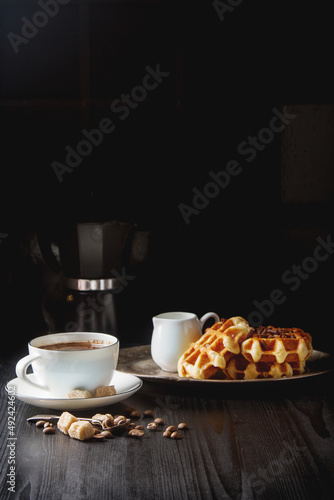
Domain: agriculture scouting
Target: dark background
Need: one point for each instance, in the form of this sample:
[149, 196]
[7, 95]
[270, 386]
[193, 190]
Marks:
[226, 80]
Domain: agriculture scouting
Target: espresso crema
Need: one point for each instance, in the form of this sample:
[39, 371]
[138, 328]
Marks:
[73, 346]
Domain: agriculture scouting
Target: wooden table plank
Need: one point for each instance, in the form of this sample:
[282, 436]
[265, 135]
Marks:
[244, 446]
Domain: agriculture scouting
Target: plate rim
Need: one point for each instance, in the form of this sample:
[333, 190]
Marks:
[185, 380]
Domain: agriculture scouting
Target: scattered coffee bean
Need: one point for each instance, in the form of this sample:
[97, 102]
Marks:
[120, 419]
[132, 429]
[107, 422]
[183, 426]
[107, 434]
[152, 426]
[99, 436]
[176, 435]
[171, 428]
[48, 430]
[148, 414]
[40, 423]
[129, 409]
[136, 433]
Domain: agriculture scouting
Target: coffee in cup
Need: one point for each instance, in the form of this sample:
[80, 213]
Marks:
[72, 346]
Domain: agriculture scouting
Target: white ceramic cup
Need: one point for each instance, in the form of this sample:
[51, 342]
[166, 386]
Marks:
[173, 332]
[59, 371]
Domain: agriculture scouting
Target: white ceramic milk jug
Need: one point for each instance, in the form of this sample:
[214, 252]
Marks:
[173, 332]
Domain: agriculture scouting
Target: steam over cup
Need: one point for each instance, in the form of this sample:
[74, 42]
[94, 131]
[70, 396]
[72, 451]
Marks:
[173, 332]
[57, 372]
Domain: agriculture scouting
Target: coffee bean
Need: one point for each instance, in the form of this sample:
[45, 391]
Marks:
[48, 424]
[120, 419]
[159, 421]
[148, 414]
[135, 414]
[136, 433]
[108, 422]
[183, 426]
[129, 409]
[152, 426]
[176, 435]
[140, 427]
[167, 434]
[48, 430]
[171, 428]
[40, 423]
[98, 436]
[107, 434]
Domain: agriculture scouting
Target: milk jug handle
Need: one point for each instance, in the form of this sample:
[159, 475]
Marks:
[208, 315]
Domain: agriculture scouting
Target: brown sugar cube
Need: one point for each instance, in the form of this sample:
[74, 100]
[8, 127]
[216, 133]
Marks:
[79, 394]
[108, 390]
[65, 421]
[81, 430]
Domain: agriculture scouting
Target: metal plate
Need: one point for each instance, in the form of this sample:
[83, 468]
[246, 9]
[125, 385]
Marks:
[138, 361]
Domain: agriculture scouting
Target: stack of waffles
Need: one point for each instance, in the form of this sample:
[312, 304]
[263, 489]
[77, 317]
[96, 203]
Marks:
[232, 349]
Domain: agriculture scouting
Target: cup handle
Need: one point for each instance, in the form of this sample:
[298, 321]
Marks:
[208, 315]
[21, 370]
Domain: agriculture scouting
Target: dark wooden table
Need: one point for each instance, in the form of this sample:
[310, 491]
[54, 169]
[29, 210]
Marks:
[246, 442]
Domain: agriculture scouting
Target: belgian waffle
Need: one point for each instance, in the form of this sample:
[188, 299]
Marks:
[270, 345]
[298, 367]
[204, 358]
[239, 368]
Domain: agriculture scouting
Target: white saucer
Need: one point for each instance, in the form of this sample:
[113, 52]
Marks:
[125, 385]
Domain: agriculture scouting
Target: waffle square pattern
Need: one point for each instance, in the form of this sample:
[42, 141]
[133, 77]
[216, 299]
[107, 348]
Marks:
[232, 349]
